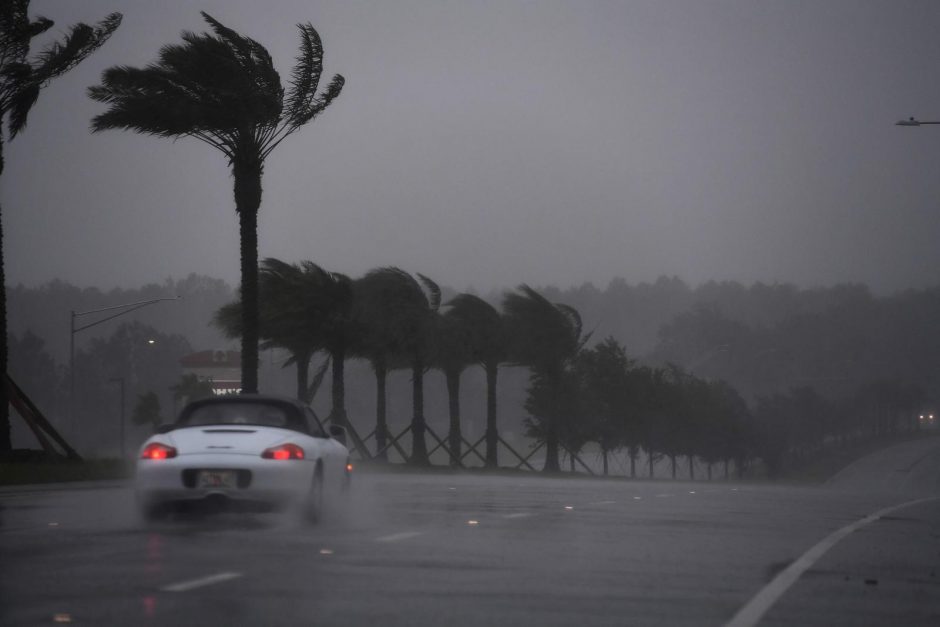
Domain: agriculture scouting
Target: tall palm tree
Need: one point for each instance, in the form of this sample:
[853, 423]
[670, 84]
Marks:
[379, 305]
[21, 79]
[419, 342]
[546, 337]
[302, 309]
[224, 91]
[453, 352]
[395, 314]
[488, 344]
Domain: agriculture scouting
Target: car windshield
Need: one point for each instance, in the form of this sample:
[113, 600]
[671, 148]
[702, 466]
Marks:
[263, 414]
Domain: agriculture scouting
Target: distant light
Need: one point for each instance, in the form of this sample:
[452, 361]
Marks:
[53, 524]
[691, 491]
[473, 523]
[62, 618]
[151, 342]
[326, 551]
[637, 498]
[568, 507]
[349, 467]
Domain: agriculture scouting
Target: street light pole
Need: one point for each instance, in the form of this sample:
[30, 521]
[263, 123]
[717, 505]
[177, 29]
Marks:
[126, 308]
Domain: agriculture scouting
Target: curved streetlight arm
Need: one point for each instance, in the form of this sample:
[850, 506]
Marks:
[914, 122]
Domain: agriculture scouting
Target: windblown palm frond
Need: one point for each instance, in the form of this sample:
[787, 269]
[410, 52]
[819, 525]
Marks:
[21, 78]
[221, 88]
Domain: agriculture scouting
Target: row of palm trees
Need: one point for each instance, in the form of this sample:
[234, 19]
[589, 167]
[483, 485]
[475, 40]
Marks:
[396, 320]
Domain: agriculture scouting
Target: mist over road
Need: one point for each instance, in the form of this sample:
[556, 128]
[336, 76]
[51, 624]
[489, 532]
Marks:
[468, 549]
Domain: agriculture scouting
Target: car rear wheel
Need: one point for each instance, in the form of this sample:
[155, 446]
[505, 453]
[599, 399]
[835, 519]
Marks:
[313, 505]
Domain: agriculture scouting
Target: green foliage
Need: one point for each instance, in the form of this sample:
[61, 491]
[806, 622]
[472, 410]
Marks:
[147, 410]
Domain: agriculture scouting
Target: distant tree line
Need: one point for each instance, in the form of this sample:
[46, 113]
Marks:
[576, 394]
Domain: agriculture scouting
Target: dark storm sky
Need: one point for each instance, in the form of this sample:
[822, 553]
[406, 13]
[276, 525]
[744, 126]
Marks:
[487, 144]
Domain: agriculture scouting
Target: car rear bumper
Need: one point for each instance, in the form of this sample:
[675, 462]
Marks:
[259, 481]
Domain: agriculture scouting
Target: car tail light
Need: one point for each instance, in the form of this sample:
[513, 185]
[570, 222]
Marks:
[284, 451]
[157, 450]
[349, 467]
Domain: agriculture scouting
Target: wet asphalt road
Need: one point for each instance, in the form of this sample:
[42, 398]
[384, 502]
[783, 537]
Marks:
[440, 549]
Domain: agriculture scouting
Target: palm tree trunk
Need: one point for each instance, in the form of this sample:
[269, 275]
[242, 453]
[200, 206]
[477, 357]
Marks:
[651, 461]
[381, 426]
[338, 414]
[453, 405]
[633, 454]
[492, 434]
[6, 443]
[673, 459]
[604, 453]
[247, 173]
[691, 467]
[303, 374]
[551, 432]
[419, 448]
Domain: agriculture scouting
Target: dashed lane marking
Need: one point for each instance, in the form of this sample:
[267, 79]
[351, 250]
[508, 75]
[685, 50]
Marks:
[396, 537]
[192, 584]
[518, 515]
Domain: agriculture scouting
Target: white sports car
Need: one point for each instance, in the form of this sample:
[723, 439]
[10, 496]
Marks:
[246, 451]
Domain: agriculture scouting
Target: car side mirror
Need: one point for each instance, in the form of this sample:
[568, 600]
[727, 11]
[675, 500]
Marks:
[338, 433]
[164, 428]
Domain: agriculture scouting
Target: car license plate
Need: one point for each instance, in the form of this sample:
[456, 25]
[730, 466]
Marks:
[216, 479]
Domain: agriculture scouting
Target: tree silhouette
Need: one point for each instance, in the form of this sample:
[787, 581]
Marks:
[191, 388]
[224, 91]
[394, 314]
[546, 337]
[604, 372]
[21, 79]
[147, 410]
[487, 336]
[303, 309]
[453, 352]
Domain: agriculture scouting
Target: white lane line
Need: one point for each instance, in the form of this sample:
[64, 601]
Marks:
[602, 503]
[518, 515]
[192, 584]
[755, 609]
[395, 537]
